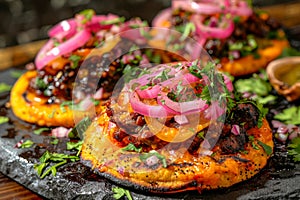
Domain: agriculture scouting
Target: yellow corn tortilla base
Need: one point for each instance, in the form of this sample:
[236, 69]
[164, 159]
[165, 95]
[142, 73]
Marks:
[40, 113]
[185, 173]
[248, 64]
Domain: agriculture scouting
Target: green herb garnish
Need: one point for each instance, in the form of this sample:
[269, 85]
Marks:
[54, 141]
[27, 144]
[201, 135]
[69, 104]
[113, 21]
[48, 158]
[87, 14]
[266, 147]
[261, 91]
[40, 83]
[294, 149]
[120, 192]
[75, 60]
[188, 29]
[131, 147]
[80, 128]
[289, 115]
[40, 130]
[254, 145]
[162, 158]
[3, 119]
[4, 87]
[75, 145]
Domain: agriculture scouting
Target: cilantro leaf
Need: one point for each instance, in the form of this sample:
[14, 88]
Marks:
[131, 147]
[3, 119]
[266, 147]
[75, 145]
[261, 91]
[87, 14]
[80, 128]
[113, 21]
[4, 87]
[289, 115]
[47, 158]
[294, 149]
[120, 192]
[27, 144]
[75, 60]
[40, 130]
[162, 158]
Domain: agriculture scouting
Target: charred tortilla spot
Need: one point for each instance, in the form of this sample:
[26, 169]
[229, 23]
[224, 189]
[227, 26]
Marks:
[246, 115]
[232, 143]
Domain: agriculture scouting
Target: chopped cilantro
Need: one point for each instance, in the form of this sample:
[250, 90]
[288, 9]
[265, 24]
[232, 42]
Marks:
[40, 83]
[47, 158]
[294, 149]
[75, 60]
[162, 158]
[144, 87]
[163, 76]
[261, 91]
[266, 147]
[87, 14]
[201, 135]
[40, 130]
[131, 72]
[54, 141]
[120, 192]
[113, 21]
[4, 87]
[131, 147]
[3, 119]
[188, 28]
[194, 69]
[69, 104]
[80, 128]
[27, 144]
[254, 145]
[289, 115]
[75, 145]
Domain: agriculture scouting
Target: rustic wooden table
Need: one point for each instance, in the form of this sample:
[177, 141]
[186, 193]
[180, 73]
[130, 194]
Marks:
[9, 189]
[287, 14]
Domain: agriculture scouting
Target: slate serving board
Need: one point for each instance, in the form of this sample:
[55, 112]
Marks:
[280, 179]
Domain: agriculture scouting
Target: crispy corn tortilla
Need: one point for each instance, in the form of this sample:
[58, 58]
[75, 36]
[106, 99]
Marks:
[187, 172]
[34, 109]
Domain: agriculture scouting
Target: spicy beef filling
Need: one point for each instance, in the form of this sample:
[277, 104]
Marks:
[245, 115]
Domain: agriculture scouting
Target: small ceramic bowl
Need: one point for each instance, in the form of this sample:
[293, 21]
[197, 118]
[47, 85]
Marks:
[284, 75]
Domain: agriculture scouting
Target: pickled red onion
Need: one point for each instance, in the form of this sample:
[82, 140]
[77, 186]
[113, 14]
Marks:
[145, 109]
[148, 93]
[49, 52]
[213, 32]
[183, 107]
[65, 28]
[200, 8]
